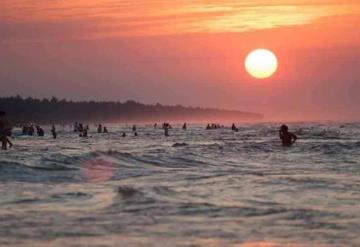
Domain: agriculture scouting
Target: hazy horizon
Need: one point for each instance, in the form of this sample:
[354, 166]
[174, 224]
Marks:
[188, 53]
[179, 119]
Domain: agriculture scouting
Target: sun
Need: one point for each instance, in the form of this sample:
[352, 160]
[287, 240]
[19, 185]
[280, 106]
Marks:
[261, 63]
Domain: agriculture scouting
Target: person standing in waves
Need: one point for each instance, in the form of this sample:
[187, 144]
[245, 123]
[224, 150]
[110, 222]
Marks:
[5, 131]
[287, 138]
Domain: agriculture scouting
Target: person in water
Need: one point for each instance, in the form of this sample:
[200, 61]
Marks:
[76, 127]
[234, 128]
[40, 131]
[53, 132]
[184, 126]
[166, 130]
[25, 130]
[5, 131]
[84, 133]
[99, 130]
[166, 126]
[287, 138]
[105, 130]
[31, 130]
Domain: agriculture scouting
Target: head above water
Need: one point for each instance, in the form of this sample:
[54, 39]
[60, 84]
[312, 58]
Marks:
[284, 128]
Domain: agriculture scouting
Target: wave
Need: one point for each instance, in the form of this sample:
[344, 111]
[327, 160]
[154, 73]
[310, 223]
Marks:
[333, 148]
[53, 198]
[177, 144]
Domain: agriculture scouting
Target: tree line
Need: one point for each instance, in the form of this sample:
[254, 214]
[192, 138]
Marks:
[49, 111]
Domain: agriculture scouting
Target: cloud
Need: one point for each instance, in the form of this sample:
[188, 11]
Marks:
[86, 19]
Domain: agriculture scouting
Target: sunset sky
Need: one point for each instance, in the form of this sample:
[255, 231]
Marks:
[186, 52]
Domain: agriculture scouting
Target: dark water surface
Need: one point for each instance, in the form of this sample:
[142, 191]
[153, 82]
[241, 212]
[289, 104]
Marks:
[194, 188]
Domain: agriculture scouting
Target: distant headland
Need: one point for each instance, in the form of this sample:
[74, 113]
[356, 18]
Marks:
[21, 110]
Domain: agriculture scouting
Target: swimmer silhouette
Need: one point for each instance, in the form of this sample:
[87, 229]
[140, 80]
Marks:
[31, 130]
[84, 133]
[76, 127]
[287, 138]
[5, 131]
[53, 132]
[40, 131]
[166, 127]
[184, 126]
[234, 128]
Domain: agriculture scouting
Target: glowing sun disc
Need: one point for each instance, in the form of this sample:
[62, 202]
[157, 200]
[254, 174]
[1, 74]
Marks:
[261, 63]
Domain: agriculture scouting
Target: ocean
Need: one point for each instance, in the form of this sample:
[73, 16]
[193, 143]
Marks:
[194, 188]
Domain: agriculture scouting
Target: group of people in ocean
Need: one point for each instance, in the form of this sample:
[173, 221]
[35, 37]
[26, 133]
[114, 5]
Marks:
[166, 127]
[84, 129]
[102, 129]
[81, 129]
[29, 130]
[288, 138]
[213, 126]
[133, 130]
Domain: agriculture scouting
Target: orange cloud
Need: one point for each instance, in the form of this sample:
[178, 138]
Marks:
[104, 18]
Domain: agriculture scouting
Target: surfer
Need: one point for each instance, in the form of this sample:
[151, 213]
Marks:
[287, 138]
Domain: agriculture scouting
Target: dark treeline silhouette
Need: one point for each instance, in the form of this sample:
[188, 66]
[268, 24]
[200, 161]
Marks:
[52, 110]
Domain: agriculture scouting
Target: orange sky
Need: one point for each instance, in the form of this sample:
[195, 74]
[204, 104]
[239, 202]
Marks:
[186, 52]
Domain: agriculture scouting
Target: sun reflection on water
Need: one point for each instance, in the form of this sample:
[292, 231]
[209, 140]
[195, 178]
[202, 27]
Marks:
[98, 170]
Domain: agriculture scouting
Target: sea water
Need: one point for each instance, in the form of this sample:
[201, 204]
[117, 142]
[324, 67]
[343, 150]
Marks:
[194, 188]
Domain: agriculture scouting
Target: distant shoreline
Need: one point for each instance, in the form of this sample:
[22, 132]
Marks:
[48, 111]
